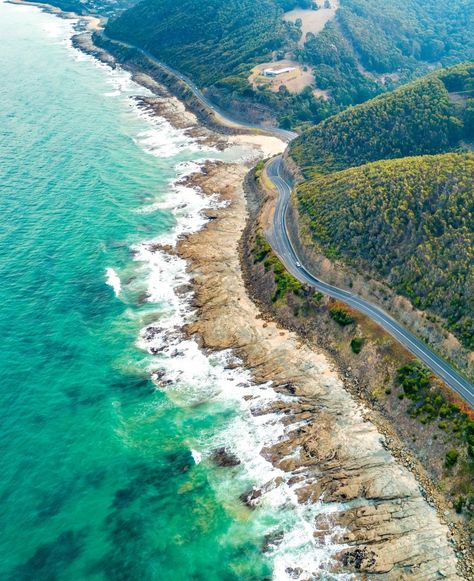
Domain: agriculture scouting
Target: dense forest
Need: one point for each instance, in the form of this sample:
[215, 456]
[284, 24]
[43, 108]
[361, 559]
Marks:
[371, 47]
[375, 45]
[409, 222]
[208, 40]
[394, 34]
[416, 119]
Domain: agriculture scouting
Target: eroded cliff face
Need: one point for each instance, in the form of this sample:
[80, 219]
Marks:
[331, 454]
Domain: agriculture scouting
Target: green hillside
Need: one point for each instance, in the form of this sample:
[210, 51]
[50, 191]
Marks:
[393, 34]
[217, 43]
[371, 47]
[419, 118]
[375, 45]
[207, 40]
[409, 222]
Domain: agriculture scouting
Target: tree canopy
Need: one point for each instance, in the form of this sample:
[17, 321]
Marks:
[415, 119]
[409, 222]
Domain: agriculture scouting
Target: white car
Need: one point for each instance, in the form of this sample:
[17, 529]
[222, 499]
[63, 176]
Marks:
[298, 264]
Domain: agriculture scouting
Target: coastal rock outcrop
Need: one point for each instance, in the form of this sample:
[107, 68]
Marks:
[378, 514]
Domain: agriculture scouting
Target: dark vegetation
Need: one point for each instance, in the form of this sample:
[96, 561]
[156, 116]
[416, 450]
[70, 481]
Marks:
[419, 118]
[284, 281]
[390, 36]
[376, 44]
[206, 40]
[356, 345]
[336, 68]
[409, 222]
[429, 404]
[340, 313]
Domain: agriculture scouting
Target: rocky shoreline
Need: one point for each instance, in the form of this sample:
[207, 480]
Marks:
[336, 455]
[332, 453]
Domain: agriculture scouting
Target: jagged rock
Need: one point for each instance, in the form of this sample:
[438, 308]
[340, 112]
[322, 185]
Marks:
[251, 497]
[272, 540]
[221, 457]
[389, 527]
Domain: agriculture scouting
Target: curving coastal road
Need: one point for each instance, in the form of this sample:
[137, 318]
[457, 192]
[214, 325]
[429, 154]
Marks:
[223, 117]
[280, 241]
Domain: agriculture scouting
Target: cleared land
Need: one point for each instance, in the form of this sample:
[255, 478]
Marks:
[312, 20]
[295, 81]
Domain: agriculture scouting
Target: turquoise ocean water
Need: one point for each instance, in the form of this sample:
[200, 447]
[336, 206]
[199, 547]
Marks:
[103, 475]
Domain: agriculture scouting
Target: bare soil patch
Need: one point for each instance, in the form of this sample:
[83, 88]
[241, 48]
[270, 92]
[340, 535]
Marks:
[295, 81]
[312, 20]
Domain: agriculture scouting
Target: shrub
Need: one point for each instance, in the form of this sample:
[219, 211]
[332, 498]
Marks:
[356, 345]
[459, 504]
[261, 249]
[341, 316]
[451, 458]
[413, 377]
[317, 297]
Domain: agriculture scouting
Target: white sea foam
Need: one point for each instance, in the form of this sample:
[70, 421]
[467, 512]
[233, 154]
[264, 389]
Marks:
[163, 140]
[193, 376]
[112, 94]
[197, 456]
[113, 280]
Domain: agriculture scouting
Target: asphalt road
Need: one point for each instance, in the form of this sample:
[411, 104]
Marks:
[222, 116]
[281, 244]
[279, 240]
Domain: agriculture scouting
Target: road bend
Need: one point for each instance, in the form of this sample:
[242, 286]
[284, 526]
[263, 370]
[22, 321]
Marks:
[280, 241]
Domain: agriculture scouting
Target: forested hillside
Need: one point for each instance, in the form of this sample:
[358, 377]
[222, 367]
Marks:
[418, 118]
[389, 34]
[371, 47]
[409, 222]
[207, 40]
[375, 45]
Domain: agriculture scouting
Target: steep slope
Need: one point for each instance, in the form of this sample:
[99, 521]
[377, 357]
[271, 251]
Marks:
[375, 45]
[371, 47]
[208, 40]
[408, 222]
[391, 36]
[418, 118]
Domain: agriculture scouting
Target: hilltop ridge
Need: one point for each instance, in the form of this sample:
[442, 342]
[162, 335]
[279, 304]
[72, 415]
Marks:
[415, 119]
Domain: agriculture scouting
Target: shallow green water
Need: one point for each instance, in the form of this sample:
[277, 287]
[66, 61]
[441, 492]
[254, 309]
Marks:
[98, 478]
